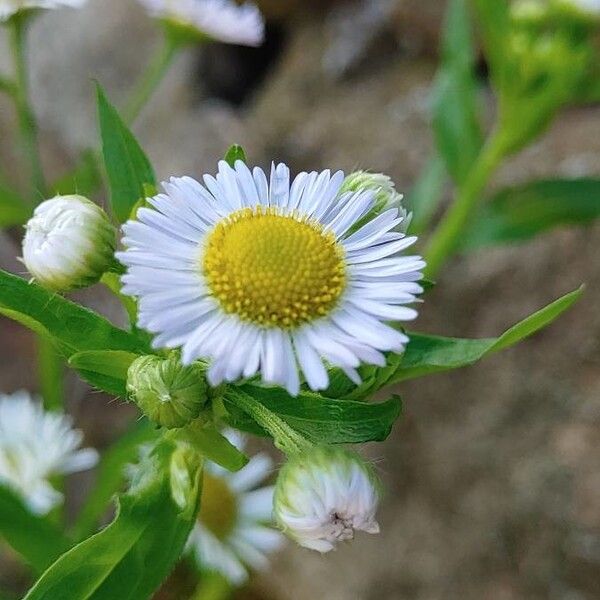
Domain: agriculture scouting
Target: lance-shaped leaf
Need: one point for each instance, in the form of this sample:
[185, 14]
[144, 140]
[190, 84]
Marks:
[520, 213]
[136, 552]
[37, 540]
[71, 327]
[428, 354]
[128, 168]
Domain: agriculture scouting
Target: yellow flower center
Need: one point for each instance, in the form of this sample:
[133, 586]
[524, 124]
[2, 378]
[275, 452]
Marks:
[218, 506]
[274, 270]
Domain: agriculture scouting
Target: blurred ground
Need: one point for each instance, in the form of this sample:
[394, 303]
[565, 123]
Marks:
[493, 475]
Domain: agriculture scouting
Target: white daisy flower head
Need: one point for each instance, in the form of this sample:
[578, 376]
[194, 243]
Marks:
[8, 8]
[36, 445]
[220, 20]
[322, 497]
[233, 532]
[264, 277]
[69, 243]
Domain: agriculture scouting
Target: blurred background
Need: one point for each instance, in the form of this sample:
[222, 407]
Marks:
[493, 473]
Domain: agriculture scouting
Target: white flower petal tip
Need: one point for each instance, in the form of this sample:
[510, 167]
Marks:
[233, 534]
[324, 496]
[69, 243]
[35, 446]
[271, 276]
[10, 7]
[221, 20]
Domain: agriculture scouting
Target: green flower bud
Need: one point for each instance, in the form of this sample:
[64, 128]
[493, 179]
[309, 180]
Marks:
[324, 495]
[386, 196]
[168, 393]
[69, 243]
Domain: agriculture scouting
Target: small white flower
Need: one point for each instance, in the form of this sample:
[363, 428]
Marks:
[268, 278]
[221, 20]
[36, 445]
[69, 243]
[10, 7]
[323, 496]
[232, 531]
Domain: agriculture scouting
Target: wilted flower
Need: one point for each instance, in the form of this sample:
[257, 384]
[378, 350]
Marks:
[221, 20]
[267, 278]
[168, 393]
[10, 7]
[324, 495]
[69, 243]
[233, 530]
[36, 445]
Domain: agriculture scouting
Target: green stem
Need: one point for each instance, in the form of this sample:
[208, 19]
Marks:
[50, 374]
[446, 237]
[213, 586]
[287, 439]
[27, 123]
[151, 79]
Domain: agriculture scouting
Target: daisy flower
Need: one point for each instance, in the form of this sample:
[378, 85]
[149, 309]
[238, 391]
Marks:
[36, 445]
[221, 20]
[261, 276]
[232, 533]
[10, 7]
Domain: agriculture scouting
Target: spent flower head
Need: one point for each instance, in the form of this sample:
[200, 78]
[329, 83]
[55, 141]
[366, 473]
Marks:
[267, 277]
[220, 20]
[69, 243]
[36, 445]
[8, 8]
[324, 495]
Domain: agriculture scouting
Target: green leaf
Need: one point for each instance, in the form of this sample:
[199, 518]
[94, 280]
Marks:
[455, 119]
[84, 179]
[319, 419]
[131, 557]
[426, 195]
[520, 213]
[214, 446]
[33, 537]
[235, 152]
[104, 369]
[110, 474]
[13, 209]
[70, 326]
[129, 170]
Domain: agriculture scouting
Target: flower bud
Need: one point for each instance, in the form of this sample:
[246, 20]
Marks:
[386, 196]
[324, 495]
[69, 243]
[168, 393]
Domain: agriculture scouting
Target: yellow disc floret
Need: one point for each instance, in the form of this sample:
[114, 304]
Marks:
[274, 270]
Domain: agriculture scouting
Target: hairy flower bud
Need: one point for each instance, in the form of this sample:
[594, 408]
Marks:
[168, 393]
[324, 495]
[386, 196]
[69, 243]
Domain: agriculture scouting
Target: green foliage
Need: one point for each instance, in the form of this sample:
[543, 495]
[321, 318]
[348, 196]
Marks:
[129, 170]
[235, 152]
[520, 213]
[70, 326]
[455, 119]
[37, 540]
[426, 195]
[319, 419]
[84, 180]
[135, 553]
[13, 208]
[427, 354]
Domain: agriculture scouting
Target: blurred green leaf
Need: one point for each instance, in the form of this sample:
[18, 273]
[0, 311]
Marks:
[110, 474]
[319, 419]
[129, 170]
[235, 152]
[494, 23]
[427, 354]
[455, 120]
[131, 557]
[84, 179]
[13, 209]
[70, 326]
[425, 197]
[33, 537]
[520, 213]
